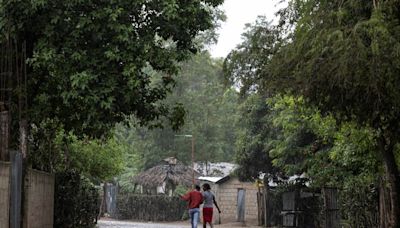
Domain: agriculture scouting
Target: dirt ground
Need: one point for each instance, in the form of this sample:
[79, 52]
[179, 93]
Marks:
[110, 223]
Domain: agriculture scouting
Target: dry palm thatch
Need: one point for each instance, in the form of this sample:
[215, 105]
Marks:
[167, 171]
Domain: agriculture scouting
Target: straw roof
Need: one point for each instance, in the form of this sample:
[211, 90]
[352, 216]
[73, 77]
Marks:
[169, 170]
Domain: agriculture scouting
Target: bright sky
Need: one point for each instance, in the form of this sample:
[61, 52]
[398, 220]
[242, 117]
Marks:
[240, 12]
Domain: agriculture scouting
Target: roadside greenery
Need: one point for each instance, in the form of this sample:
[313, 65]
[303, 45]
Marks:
[87, 58]
[325, 79]
[89, 65]
[59, 151]
[112, 84]
[210, 115]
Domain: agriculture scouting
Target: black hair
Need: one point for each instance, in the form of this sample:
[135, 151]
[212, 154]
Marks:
[197, 187]
[206, 186]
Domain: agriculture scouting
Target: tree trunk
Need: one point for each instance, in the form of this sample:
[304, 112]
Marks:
[384, 204]
[392, 176]
[23, 137]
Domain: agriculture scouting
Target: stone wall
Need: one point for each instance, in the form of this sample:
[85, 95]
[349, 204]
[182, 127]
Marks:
[39, 200]
[4, 193]
[227, 194]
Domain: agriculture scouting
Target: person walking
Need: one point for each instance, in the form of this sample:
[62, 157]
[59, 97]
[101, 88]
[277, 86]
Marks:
[194, 198]
[209, 200]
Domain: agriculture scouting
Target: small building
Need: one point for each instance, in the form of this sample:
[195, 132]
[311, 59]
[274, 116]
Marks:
[236, 199]
[165, 177]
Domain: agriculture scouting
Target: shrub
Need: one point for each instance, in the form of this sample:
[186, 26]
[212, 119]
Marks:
[150, 207]
[75, 201]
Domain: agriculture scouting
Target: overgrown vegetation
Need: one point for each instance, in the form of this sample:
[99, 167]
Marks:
[319, 95]
[89, 65]
[76, 201]
[210, 115]
[322, 89]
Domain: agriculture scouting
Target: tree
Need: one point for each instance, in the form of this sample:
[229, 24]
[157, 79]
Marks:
[341, 57]
[329, 154]
[243, 67]
[58, 151]
[253, 141]
[210, 115]
[86, 58]
[307, 141]
[344, 59]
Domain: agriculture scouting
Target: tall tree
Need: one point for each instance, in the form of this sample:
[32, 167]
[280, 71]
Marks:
[245, 65]
[344, 58]
[210, 115]
[86, 58]
[255, 133]
[243, 69]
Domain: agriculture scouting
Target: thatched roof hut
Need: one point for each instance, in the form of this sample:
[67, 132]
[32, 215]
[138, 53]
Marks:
[169, 173]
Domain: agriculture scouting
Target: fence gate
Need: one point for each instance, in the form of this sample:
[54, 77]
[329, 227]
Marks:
[332, 215]
[289, 218]
[111, 199]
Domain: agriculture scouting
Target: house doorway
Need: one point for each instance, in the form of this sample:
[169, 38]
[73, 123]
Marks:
[241, 198]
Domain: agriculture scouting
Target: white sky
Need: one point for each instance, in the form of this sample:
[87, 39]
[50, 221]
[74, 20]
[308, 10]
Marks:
[240, 12]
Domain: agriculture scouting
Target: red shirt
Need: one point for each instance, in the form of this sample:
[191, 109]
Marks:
[195, 198]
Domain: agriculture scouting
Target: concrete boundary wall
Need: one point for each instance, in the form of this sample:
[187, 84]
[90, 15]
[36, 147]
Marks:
[4, 193]
[39, 200]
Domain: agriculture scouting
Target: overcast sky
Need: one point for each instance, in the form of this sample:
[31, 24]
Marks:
[240, 12]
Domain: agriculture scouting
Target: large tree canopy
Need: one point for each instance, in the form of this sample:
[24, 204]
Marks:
[88, 59]
[343, 58]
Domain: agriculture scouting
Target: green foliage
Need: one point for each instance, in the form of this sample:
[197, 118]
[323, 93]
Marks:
[356, 58]
[58, 151]
[150, 207]
[343, 58]
[76, 201]
[87, 58]
[339, 61]
[210, 114]
[359, 199]
[254, 134]
[245, 65]
[329, 153]
[180, 190]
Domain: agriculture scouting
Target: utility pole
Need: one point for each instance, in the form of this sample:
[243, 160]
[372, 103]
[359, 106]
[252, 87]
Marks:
[190, 136]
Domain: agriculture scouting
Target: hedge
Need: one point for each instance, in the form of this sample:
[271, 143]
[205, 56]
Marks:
[150, 207]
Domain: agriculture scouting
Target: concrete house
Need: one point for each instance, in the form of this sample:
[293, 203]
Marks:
[237, 199]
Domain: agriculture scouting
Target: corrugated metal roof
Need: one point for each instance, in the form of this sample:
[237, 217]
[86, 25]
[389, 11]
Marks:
[214, 180]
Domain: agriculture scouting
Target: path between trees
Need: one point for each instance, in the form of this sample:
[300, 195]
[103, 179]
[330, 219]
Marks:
[129, 224]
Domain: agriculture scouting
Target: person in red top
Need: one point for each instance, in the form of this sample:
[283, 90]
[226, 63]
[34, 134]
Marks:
[194, 198]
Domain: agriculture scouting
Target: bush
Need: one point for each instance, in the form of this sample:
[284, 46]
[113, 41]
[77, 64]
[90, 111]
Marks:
[75, 201]
[150, 207]
[360, 204]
